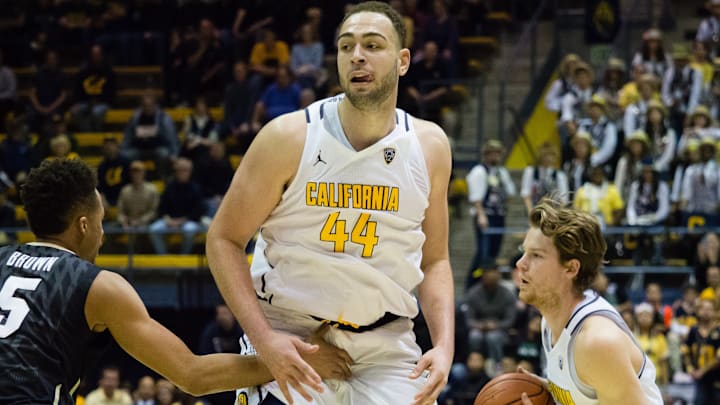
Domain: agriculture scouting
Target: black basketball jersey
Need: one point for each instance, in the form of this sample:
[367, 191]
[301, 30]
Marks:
[45, 341]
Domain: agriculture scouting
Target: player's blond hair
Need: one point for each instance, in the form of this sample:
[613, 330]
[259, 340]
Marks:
[575, 234]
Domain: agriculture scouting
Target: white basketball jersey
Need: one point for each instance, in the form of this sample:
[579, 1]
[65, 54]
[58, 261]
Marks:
[344, 243]
[563, 382]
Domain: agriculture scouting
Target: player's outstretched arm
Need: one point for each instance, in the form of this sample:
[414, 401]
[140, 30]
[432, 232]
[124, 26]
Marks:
[606, 359]
[257, 187]
[436, 292]
[113, 304]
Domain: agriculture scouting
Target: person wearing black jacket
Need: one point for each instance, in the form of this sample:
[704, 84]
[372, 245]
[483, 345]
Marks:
[181, 206]
[94, 92]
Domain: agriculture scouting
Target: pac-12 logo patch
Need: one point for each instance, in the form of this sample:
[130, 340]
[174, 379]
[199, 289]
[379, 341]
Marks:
[389, 154]
[242, 399]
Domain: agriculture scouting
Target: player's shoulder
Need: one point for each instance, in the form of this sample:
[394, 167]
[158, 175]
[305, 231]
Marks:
[599, 337]
[289, 128]
[430, 132]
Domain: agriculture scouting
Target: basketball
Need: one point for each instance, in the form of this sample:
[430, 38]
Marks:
[506, 389]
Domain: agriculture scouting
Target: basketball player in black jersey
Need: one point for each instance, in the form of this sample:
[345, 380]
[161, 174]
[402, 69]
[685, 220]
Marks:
[57, 309]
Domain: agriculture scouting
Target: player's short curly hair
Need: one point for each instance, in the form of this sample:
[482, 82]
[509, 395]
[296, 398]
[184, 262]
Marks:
[575, 234]
[380, 8]
[57, 191]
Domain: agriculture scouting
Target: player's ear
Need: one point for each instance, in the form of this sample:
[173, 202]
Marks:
[83, 223]
[573, 267]
[404, 61]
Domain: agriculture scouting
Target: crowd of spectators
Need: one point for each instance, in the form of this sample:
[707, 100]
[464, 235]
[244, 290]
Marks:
[248, 59]
[638, 149]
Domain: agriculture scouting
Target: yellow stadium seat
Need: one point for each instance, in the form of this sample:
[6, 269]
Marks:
[25, 237]
[95, 139]
[235, 161]
[20, 213]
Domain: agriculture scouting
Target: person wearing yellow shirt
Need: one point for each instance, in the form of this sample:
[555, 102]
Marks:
[699, 60]
[600, 198]
[267, 55]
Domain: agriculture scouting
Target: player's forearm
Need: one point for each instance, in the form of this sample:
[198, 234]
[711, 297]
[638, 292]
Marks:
[436, 294]
[226, 372]
[229, 266]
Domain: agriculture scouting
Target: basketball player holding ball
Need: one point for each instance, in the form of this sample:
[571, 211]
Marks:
[592, 356]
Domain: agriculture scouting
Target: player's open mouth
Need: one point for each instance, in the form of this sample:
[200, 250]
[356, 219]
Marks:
[361, 78]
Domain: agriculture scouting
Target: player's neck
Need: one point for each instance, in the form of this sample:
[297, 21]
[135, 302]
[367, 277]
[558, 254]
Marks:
[557, 316]
[364, 128]
[54, 242]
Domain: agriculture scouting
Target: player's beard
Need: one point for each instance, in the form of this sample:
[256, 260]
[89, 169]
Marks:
[374, 98]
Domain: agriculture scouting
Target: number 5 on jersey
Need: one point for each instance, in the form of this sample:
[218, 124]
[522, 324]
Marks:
[363, 233]
[13, 310]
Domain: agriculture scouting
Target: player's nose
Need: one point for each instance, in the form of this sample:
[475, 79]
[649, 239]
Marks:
[357, 55]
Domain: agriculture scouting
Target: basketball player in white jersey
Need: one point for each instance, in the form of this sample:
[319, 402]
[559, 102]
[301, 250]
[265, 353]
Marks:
[350, 196]
[592, 356]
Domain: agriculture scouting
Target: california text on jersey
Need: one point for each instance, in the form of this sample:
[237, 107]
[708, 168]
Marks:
[340, 195]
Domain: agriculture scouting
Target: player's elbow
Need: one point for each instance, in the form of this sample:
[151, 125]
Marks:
[195, 385]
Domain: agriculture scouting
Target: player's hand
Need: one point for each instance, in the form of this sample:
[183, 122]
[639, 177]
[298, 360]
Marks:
[281, 354]
[438, 363]
[525, 400]
[330, 362]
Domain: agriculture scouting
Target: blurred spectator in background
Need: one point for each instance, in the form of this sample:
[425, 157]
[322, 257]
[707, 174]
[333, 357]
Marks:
[600, 198]
[16, 152]
[306, 59]
[214, 174]
[442, 28]
[8, 91]
[662, 313]
[578, 166]
[629, 92]
[614, 79]
[636, 111]
[279, 98]
[602, 130]
[490, 312]
[266, 57]
[681, 87]
[145, 392]
[199, 132]
[94, 92]
[700, 195]
[113, 172]
[180, 209]
[652, 55]
[240, 98]
[165, 392]
[699, 126]
[572, 106]
[150, 134]
[700, 354]
[246, 25]
[489, 187]
[686, 157]
[206, 69]
[529, 344]
[48, 94]
[543, 179]
[54, 127]
[709, 29]
[138, 201]
[648, 204]
[563, 84]
[109, 392]
[221, 335]
[652, 342]
[700, 60]
[612, 292]
[661, 136]
[466, 380]
[637, 149]
[425, 92]
[61, 148]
